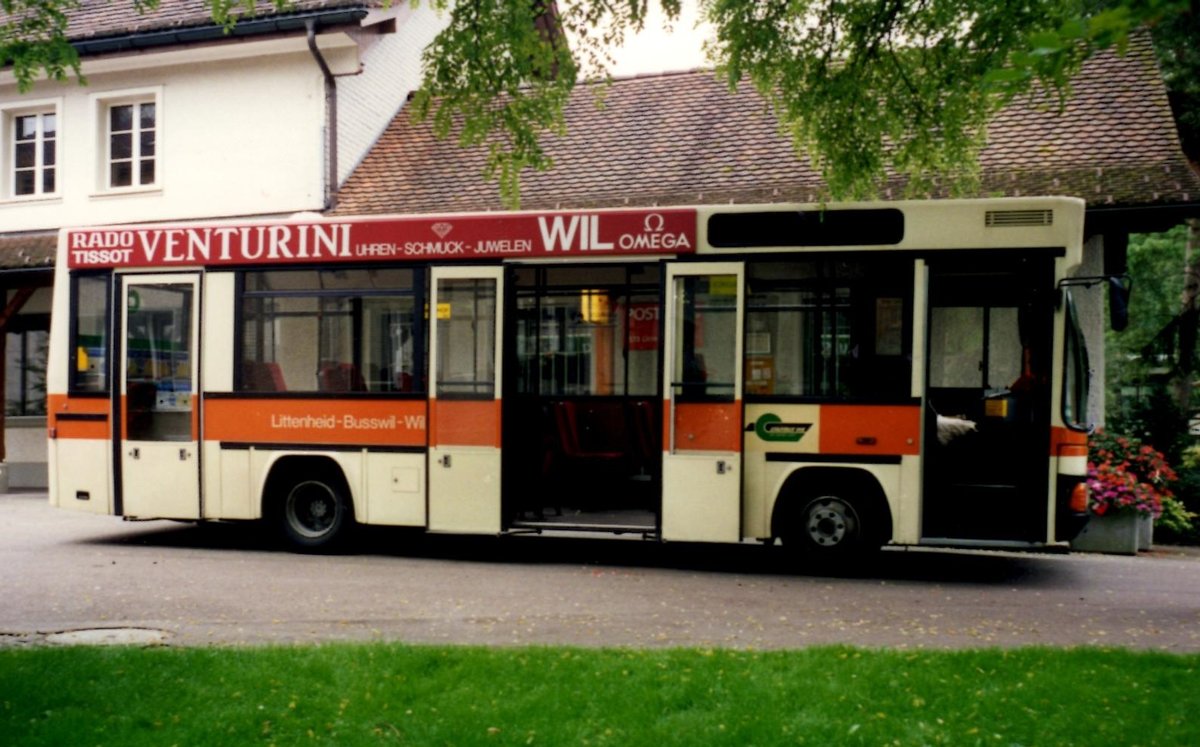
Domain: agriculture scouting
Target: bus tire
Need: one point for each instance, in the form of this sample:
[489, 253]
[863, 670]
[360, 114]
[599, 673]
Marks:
[834, 531]
[315, 513]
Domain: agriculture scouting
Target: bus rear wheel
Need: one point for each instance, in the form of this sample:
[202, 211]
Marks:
[315, 514]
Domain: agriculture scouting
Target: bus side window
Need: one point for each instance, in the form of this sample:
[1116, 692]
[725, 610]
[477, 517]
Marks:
[331, 332]
[89, 333]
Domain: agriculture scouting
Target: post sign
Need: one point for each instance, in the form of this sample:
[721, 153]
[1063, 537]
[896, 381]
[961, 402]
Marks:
[576, 235]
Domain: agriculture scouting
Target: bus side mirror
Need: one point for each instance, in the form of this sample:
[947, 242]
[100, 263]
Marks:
[1119, 287]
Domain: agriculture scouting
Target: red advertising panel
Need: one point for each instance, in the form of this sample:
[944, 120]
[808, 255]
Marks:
[428, 238]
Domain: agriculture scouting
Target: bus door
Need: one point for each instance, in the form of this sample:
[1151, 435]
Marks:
[159, 409]
[702, 461]
[464, 401]
[988, 399]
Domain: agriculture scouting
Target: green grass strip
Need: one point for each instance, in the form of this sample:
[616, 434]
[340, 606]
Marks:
[397, 694]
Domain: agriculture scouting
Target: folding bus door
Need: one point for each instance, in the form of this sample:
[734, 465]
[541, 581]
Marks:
[464, 406]
[701, 494]
[158, 444]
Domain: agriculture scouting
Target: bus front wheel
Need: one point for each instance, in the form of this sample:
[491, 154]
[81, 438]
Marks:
[832, 528]
[315, 514]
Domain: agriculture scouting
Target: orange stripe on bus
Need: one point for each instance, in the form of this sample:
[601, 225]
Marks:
[465, 422]
[705, 426]
[315, 421]
[62, 404]
[1066, 442]
[870, 429]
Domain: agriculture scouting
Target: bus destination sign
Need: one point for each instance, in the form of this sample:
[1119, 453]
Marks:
[424, 238]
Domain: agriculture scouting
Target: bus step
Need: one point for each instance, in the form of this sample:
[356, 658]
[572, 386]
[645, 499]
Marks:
[561, 526]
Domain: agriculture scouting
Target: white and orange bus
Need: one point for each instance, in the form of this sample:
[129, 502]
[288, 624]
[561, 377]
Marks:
[837, 377]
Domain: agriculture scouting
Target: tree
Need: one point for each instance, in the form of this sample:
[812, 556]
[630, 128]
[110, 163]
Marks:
[1175, 41]
[863, 87]
[1156, 356]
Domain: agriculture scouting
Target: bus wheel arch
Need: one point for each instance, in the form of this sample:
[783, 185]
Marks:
[308, 501]
[832, 513]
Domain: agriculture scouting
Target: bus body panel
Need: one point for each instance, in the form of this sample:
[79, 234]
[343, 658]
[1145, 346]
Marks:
[81, 474]
[230, 488]
[786, 442]
[395, 489]
[464, 490]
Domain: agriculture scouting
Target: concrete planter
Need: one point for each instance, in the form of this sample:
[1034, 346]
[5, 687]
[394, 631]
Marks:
[1118, 534]
[1145, 532]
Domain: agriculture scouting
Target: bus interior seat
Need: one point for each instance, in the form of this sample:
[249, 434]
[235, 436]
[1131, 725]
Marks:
[262, 376]
[340, 377]
[570, 443]
[646, 453]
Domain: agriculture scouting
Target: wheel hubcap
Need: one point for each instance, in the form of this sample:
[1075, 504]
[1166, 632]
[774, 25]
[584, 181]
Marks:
[312, 509]
[829, 522]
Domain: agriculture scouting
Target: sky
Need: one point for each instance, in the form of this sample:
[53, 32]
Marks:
[656, 51]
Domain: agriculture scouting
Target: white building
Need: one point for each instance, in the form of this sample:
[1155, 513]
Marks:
[180, 119]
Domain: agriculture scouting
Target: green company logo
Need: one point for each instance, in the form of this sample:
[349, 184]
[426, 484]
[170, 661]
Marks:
[770, 428]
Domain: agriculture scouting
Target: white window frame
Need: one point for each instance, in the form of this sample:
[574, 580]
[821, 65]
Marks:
[101, 104]
[8, 134]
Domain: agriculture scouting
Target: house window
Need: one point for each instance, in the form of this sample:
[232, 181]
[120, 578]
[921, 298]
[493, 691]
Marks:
[34, 153]
[29, 148]
[132, 146]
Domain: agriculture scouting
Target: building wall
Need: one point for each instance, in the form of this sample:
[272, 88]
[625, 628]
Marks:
[391, 69]
[235, 137]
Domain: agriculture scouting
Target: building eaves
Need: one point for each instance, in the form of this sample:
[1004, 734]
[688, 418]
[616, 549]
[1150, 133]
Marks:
[197, 34]
[97, 19]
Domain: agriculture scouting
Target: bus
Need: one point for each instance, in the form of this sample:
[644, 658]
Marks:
[834, 378]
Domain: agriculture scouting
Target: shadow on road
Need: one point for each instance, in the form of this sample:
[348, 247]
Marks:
[896, 564]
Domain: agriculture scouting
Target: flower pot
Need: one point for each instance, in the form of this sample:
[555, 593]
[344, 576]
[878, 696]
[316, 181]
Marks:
[1112, 533]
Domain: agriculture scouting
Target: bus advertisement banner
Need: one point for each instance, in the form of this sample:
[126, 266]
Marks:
[423, 238]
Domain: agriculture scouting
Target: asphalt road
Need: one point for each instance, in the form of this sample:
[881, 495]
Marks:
[226, 584]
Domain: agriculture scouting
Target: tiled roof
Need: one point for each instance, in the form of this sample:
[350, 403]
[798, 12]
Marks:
[105, 18]
[684, 138]
[27, 251]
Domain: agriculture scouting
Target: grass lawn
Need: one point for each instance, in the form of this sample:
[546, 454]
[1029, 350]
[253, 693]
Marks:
[396, 694]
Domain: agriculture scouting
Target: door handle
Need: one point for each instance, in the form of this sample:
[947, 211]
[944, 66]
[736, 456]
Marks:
[184, 455]
[445, 461]
[136, 453]
[722, 467]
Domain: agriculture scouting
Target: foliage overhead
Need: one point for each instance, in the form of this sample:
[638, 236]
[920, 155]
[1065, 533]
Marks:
[866, 89]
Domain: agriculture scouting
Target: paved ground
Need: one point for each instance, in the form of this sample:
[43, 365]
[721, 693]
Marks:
[62, 572]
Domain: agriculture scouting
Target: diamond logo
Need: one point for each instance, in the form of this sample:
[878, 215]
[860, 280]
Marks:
[441, 229]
